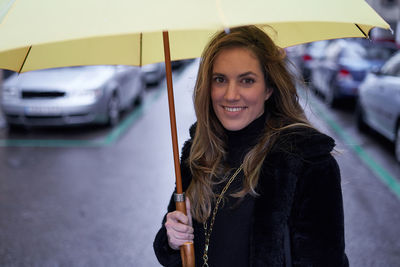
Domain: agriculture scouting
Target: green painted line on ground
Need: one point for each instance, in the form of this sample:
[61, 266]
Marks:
[49, 143]
[115, 134]
[109, 139]
[383, 175]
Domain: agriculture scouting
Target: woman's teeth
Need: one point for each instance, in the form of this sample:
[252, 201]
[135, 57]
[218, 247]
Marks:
[233, 109]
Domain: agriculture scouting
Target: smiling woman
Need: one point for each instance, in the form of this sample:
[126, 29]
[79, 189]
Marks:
[262, 186]
[238, 89]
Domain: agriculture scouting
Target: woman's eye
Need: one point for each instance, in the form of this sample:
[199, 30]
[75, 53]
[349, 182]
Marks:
[219, 79]
[248, 81]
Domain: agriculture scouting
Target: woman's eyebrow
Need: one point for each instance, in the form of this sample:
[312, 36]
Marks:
[248, 73]
[218, 74]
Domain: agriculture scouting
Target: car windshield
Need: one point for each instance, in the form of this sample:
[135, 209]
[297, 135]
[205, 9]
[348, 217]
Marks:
[392, 66]
[379, 52]
[354, 50]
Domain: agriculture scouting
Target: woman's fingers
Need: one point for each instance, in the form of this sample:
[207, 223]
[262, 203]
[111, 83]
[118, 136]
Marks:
[189, 214]
[181, 228]
[178, 222]
[178, 231]
[175, 243]
[182, 237]
[178, 216]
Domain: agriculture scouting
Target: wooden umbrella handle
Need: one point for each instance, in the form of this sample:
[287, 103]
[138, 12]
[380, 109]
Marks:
[187, 249]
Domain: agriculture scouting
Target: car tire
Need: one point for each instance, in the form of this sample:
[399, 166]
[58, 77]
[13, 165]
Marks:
[360, 119]
[113, 110]
[137, 101]
[330, 98]
[12, 127]
[397, 143]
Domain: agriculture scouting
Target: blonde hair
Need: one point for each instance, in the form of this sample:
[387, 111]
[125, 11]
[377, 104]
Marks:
[208, 150]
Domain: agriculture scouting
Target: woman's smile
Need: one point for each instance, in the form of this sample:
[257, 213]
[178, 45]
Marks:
[233, 109]
[238, 89]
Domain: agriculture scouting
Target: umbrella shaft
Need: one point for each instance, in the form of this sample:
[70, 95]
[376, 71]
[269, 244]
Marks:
[171, 106]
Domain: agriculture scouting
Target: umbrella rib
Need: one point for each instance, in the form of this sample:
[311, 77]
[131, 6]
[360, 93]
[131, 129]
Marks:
[141, 49]
[366, 35]
[26, 56]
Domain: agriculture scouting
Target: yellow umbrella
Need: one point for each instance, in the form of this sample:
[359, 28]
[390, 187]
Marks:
[59, 33]
[37, 34]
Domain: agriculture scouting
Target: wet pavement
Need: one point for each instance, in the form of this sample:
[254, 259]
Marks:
[100, 201]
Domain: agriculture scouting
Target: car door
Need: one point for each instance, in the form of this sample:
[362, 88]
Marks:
[327, 68]
[390, 110]
[387, 97]
[315, 53]
[125, 77]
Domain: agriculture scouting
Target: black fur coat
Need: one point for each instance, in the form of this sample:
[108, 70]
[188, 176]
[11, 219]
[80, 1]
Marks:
[300, 186]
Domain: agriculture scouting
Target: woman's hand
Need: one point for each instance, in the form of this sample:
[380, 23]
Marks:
[179, 227]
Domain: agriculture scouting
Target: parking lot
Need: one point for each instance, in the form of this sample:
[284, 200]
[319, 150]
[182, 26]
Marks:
[95, 196]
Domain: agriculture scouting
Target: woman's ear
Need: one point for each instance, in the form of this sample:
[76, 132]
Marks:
[268, 93]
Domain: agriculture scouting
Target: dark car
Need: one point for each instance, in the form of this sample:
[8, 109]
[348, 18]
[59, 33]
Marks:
[312, 53]
[71, 95]
[378, 104]
[344, 66]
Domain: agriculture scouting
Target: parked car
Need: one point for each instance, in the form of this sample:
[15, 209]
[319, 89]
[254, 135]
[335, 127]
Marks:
[176, 64]
[71, 95]
[154, 73]
[378, 104]
[313, 52]
[344, 66]
[294, 58]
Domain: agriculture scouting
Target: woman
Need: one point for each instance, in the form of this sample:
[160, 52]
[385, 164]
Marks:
[262, 187]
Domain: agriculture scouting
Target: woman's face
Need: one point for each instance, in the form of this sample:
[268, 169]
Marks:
[238, 89]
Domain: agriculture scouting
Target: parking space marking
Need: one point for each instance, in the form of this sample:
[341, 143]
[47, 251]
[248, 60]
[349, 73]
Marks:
[109, 139]
[380, 172]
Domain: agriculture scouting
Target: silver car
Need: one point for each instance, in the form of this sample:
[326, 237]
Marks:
[71, 95]
[378, 104]
[154, 73]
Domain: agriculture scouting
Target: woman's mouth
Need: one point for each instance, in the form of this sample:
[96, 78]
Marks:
[233, 109]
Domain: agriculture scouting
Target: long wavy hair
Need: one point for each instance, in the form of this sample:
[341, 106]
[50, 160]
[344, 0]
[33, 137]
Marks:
[208, 150]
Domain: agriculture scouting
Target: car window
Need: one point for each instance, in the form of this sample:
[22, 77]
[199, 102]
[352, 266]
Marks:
[317, 49]
[379, 52]
[354, 50]
[333, 50]
[345, 49]
[392, 66]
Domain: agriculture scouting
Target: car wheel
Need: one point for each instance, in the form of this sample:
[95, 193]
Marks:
[330, 98]
[360, 119]
[12, 127]
[113, 110]
[397, 143]
[137, 101]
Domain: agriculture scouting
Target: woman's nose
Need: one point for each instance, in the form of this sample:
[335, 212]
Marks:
[232, 92]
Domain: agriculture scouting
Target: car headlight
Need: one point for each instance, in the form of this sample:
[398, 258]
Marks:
[90, 93]
[10, 92]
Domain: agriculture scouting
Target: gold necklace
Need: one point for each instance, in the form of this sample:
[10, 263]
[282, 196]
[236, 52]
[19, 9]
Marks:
[207, 232]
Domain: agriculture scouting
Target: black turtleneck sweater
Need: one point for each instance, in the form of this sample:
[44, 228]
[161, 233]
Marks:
[229, 241]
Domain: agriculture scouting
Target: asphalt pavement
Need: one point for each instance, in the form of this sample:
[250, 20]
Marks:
[96, 197]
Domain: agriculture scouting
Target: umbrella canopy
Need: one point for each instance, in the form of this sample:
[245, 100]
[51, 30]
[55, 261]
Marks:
[37, 34]
[53, 33]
